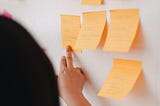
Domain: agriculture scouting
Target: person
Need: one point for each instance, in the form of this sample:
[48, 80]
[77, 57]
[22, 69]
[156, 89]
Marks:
[27, 77]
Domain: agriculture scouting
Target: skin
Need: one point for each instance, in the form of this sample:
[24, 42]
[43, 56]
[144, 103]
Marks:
[71, 81]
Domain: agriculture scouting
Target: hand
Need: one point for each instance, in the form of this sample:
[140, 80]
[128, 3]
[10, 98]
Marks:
[71, 81]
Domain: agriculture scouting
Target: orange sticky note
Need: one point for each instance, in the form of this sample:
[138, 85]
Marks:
[121, 79]
[92, 2]
[122, 31]
[92, 30]
[70, 27]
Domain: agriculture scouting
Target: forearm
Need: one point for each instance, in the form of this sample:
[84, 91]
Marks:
[78, 100]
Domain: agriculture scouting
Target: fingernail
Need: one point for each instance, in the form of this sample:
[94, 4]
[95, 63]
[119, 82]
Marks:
[63, 57]
[68, 48]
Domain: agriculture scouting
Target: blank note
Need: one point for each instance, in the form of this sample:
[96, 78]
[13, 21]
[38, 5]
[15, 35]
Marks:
[70, 27]
[92, 30]
[121, 79]
[92, 2]
[122, 30]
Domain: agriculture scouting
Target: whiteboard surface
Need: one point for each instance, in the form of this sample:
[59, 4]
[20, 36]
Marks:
[42, 20]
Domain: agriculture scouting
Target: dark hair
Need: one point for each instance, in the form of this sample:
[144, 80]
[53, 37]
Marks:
[27, 77]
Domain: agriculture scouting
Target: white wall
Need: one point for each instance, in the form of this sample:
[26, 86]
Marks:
[42, 19]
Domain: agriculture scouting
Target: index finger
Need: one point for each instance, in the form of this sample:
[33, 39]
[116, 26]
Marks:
[69, 57]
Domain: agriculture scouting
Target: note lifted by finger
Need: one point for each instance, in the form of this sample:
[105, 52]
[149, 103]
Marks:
[70, 27]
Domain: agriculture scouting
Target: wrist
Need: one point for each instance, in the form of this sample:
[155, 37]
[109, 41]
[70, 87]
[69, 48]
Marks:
[77, 100]
[68, 98]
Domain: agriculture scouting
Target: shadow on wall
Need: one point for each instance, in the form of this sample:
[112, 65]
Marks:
[90, 89]
[141, 90]
[139, 42]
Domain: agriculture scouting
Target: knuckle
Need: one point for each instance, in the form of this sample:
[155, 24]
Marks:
[69, 57]
[68, 50]
[63, 58]
[78, 68]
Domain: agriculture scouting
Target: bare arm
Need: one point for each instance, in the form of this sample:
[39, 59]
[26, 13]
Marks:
[71, 82]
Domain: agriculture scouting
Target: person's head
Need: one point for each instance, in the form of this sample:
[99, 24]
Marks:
[26, 75]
